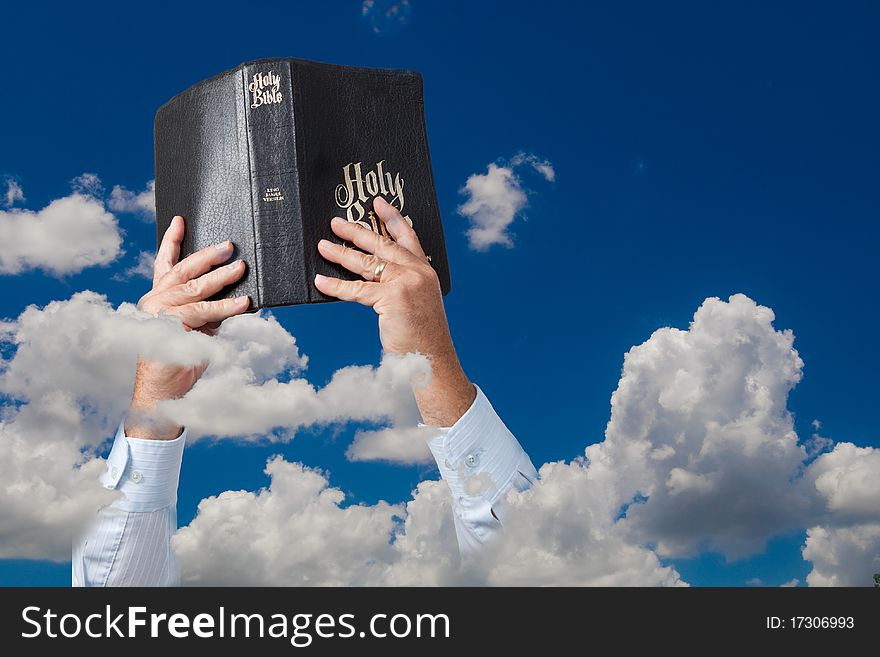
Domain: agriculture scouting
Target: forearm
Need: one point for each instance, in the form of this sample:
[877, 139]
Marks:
[448, 393]
[154, 383]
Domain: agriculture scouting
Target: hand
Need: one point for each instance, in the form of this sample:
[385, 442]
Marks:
[409, 303]
[180, 288]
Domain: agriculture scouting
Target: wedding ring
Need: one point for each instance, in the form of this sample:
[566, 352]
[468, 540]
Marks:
[377, 272]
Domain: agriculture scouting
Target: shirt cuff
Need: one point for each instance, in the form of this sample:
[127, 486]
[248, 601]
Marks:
[145, 471]
[478, 457]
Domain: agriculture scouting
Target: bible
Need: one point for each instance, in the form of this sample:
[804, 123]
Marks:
[267, 153]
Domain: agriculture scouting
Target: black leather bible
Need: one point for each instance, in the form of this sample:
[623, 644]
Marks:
[266, 153]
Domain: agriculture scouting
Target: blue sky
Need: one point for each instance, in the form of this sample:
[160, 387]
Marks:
[700, 149]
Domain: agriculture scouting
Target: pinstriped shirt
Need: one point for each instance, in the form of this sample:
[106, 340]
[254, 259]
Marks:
[129, 544]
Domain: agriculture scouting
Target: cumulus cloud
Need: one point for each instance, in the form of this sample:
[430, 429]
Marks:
[844, 545]
[250, 390]
[297, 532]
[14, 193]
[233, 401]
[339, 546]
[848, 480]
[66, 383]
[699, 454]
[73, 232]
[843, 556]
[66, 378]
[564, 531]
[142, 204]
[48, 486]
[403, 443]
[67, 236]
[142, 268]
[700, 446]
[494, 199]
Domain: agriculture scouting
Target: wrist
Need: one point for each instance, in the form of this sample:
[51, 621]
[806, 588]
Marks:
[447, 395]
[144, 419]
[154, 383]
[147, 423]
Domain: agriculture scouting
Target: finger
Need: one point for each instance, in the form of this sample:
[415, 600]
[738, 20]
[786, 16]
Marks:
[169, 249]
[358, 262]
[196, 289]
[198, 314]
[400, 229]
[371, 242]
[196, 264]
[363, 292]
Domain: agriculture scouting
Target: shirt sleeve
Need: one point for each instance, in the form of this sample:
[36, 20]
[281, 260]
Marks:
[480, 460]
[129, 543]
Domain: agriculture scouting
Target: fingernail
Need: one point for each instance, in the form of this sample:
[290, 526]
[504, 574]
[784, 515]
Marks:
[324, 243]
[337, 220]
[177, 217]
[223, 246]
[320, 278]
[245, 300]
[235, 265]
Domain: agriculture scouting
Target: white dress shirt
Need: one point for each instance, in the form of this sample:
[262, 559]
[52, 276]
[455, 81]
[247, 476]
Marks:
[130, 542]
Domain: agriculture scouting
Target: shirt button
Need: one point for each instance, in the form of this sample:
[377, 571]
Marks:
[136, 477]
[472, 460]
[447, 464]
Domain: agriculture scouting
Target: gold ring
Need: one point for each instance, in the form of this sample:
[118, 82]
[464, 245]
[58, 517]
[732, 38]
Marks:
[377, 272]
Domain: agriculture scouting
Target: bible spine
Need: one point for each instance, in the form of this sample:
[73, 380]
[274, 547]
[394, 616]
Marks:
[267, 91]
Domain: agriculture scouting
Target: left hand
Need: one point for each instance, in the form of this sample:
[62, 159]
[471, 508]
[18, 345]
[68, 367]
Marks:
[409, 303]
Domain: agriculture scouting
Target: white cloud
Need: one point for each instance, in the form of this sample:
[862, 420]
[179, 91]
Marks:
[67, 236]
[544, 167]
[14, 193]
[700, 453]
[67, 378]
[48, 486]
[495, 198]
[88, 184]
[844, 544]
[700, 436]
[563, 532]
[93, 348]
[296, 533]
[843, 556]
[404, 442]
[237, 401]
[142, 268]
[142, 203]
[84, 350]
[293, 533]
[848, 480]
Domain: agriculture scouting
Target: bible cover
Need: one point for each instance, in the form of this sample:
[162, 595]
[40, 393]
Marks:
[267, 153]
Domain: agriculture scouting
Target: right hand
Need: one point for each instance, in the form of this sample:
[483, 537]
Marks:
[180, 288]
